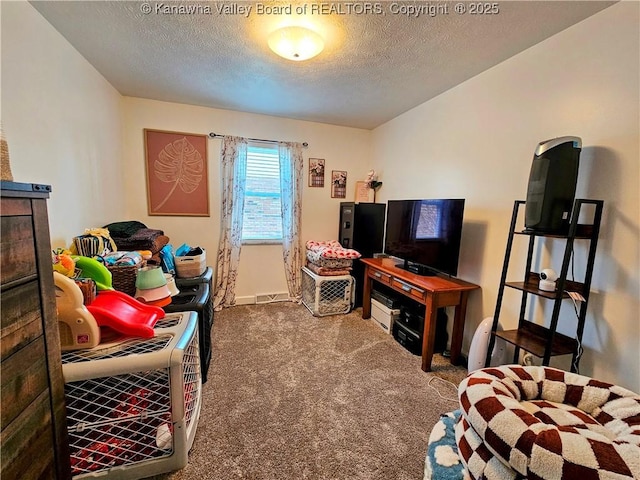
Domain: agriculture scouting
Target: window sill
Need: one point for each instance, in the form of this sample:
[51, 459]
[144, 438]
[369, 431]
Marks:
[262, 242]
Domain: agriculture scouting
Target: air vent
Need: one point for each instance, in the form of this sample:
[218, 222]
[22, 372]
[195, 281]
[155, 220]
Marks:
[272, 297]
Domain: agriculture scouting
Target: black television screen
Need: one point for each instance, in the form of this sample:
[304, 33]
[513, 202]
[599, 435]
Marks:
[425, 234]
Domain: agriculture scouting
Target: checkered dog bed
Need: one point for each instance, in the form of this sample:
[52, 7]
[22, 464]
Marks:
[543, 423]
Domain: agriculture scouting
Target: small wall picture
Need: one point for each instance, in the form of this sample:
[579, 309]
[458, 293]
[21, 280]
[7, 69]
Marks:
[316, 172]
[338, 184]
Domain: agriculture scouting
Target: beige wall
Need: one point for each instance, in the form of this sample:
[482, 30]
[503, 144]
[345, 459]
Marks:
[62, 121]
[477, 140]
[67, 127]
[261, 268]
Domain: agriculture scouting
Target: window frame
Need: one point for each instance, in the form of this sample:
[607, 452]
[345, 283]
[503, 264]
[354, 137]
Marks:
[262, 241]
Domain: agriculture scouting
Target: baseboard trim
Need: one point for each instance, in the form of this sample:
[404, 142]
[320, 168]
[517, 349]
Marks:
[247, 300]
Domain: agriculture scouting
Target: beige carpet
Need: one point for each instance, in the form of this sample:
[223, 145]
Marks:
[293, 396]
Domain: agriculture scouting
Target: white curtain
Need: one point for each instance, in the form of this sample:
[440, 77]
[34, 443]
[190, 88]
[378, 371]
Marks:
[291, 164]
[233, 178]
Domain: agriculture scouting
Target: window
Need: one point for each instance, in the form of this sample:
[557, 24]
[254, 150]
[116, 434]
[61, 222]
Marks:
[429, 221]
[262, 221]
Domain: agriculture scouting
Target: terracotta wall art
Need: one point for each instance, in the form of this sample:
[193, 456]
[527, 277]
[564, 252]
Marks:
[176, 168]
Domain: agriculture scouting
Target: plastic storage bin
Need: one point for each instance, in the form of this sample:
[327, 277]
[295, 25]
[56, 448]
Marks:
[196, 297]
[383, 316]
[327, 295]
[133, 406]
[206, 277]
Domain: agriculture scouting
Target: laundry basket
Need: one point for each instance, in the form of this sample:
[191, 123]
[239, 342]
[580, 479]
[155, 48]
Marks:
[327, 295]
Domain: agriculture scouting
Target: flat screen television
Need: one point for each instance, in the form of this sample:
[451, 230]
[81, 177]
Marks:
[425, 234]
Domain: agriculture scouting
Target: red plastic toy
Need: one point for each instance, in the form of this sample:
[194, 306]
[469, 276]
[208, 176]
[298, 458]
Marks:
[125, 314]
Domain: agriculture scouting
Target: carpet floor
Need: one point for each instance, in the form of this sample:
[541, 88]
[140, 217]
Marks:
[293, 396]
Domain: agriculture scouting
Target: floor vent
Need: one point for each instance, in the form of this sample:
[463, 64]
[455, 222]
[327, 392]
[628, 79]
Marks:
[272, 297]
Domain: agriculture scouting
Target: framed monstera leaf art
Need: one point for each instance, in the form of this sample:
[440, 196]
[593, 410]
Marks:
[176, 173]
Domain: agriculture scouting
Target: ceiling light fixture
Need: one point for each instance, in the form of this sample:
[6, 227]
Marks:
[296, 43]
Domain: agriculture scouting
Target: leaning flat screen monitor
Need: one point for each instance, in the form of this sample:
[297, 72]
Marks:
[425, 234]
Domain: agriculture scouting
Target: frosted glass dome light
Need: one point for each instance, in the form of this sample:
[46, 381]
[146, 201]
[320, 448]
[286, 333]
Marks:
[296, 43]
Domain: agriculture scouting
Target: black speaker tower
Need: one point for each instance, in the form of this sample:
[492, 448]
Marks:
[552, 185]
[361, 228]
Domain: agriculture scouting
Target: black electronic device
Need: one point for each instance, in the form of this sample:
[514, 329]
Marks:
[389, 300]
[425, 234]
[552, 185]
[411, 318]
[361, 228]
[408, 338]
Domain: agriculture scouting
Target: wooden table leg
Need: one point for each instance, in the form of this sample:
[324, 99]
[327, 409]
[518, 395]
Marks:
[458, 328]
[366, 294]
[429, 334]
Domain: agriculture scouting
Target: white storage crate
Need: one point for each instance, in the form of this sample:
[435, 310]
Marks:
[133, 406]
[327, 295]
[383, 316]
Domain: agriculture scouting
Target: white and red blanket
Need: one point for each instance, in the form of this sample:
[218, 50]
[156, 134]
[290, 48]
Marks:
[330, 255]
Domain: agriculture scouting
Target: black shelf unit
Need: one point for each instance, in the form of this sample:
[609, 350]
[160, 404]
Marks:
[542, 341]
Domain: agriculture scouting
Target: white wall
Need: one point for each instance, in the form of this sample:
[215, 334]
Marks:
[261, 267]
[62, 121]
[477, 140]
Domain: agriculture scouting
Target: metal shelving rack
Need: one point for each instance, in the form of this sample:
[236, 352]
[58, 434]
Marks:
[546, 342]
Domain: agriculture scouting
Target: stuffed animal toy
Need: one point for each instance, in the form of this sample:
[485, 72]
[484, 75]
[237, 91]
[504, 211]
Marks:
[63, 263]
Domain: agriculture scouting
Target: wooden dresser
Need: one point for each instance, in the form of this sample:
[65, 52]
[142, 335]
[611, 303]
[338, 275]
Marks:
[34, 434]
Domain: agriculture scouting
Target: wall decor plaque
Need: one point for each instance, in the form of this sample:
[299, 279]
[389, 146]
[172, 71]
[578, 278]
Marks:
[176, 170]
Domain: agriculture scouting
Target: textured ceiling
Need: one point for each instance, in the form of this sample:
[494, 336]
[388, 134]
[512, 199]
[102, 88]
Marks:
[375, 65]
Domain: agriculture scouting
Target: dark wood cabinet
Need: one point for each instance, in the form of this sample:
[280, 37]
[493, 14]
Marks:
[544, 341]
[34, 434]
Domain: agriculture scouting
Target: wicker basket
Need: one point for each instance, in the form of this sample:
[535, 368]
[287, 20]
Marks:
[194, 266]
[123, 277]
[5, 162]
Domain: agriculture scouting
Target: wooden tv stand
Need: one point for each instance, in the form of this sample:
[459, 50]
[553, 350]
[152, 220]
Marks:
[431, 291]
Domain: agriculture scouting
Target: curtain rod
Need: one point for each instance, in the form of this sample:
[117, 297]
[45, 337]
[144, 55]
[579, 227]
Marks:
[217, 135]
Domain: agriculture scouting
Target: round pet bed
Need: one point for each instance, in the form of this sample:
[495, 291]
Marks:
[545, 423]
